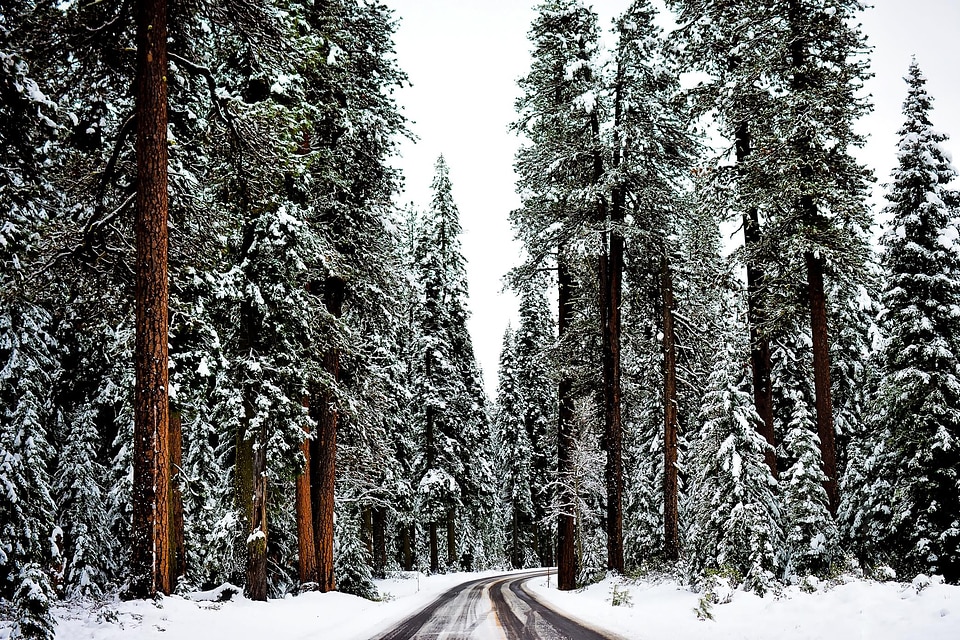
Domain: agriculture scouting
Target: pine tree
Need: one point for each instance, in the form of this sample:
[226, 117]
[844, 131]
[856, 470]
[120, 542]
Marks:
[810, 533]
[918, 402]
[536, 385]
[456, 477]
[734, 517]
[809, 59]
[514, 453]
[559, 176]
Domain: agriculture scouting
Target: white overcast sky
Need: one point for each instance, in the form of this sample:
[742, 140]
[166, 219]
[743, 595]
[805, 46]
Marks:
[463, 58]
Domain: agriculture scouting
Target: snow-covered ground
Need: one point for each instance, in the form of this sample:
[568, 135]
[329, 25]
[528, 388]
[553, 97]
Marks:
[925, 609]
[313, 616]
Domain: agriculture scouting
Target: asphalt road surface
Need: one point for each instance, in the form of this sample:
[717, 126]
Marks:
[495, 608]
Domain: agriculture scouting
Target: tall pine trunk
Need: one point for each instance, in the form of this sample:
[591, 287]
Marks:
[323, 455]
[566, 527]
[256, 587]
[379, 541]
[815, 267]
[150, 564]
[821, 378]
[306, 543]
[671, 484]
[759, 342]
[611, 276]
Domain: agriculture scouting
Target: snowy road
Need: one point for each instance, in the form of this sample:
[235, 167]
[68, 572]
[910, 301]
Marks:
[494, 608]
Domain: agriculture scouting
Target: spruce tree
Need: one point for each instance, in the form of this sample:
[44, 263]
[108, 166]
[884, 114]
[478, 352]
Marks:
[734, 517]
[918, 402]
[514, 458]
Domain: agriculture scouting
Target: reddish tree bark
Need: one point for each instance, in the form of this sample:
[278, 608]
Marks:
[178, 555]
[814, 262]
[150, 535]
[323, 453]
[566, 527]
[671, 492]
[307, 556]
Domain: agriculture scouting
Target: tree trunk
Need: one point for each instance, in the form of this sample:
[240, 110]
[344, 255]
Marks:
[323, 454]
[150, 534]
[380, 542]
[807, 204]
[307, 553]
[759, 343]
[452, 539]
[434, 549]
[178, 553]
[821, 377]
[671, 493]
[407, 536]
[566, 528]
[516, 558]
[256, 588]
[611, 276]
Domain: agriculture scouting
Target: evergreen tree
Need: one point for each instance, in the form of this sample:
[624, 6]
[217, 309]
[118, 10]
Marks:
[797, 83]
[456, 485]
[514, 458]
[918, 402]
[560, 172]
[536, 384]
[734, 518]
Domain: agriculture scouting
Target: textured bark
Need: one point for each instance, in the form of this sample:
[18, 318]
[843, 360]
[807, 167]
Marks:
[759, 343]
[452, 538]
[516, 555]
[323, 454]
[178, 554]
[256, 587]
[307, 555]
[671, 493]
[566, 528]
[821, 377]
[150, 563]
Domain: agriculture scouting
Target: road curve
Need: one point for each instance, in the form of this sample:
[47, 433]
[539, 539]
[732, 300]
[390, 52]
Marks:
[493, 608]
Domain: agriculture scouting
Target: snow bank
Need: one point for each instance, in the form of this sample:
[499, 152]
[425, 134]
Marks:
[203, 616]
[926, 609]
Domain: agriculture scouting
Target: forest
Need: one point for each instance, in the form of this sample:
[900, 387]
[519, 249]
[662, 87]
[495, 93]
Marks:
[227, 354]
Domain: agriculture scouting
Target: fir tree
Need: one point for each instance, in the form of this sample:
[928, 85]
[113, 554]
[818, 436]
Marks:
[918, 402]
[514, 454]
[734, 518]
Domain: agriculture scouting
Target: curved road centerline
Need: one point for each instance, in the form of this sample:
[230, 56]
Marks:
[492, 608]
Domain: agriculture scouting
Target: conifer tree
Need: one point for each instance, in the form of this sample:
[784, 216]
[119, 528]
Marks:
[536, 382]
[455, 483]
[918, 401]
[734, 518]
[559, 175]
[514, 457]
